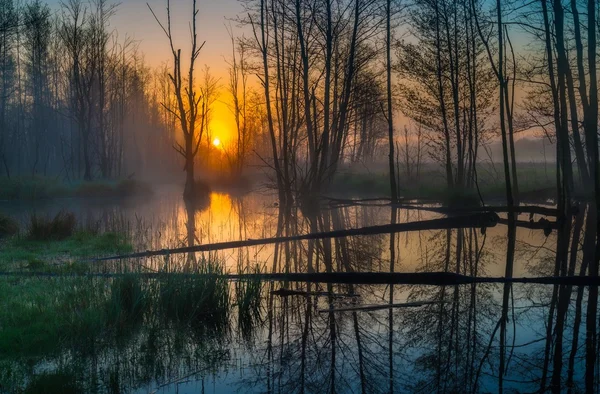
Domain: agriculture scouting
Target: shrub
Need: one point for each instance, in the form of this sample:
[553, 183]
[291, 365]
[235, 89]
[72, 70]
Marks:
[42, 228]
[8, 226]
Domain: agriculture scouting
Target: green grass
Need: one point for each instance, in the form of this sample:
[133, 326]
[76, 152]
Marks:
[24, 252]
[248, 296]
[39, 188]
[42, 320]
[41, 317]
[191, 299]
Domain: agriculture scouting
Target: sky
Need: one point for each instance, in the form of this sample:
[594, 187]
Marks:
[133, 19]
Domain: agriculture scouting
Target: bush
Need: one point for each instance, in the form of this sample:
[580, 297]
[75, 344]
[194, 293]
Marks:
[8, 226]
[62, 226]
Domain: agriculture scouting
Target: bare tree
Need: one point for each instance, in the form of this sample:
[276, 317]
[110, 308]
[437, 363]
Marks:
[188, 99]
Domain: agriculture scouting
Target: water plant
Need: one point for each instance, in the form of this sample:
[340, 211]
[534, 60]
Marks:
[198, 295]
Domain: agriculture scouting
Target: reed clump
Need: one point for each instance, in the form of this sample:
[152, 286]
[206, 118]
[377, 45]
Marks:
[43, 228]
[201, 294]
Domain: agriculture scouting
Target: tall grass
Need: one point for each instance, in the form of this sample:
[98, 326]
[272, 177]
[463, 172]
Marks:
[200, 296]
[129, 298]
[248, 297]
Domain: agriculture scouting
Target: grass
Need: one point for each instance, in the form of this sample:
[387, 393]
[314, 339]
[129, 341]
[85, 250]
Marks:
[39, 188]
[43, 317]
[534, 181]
[36, 254]
[248, 296]
[191, 299]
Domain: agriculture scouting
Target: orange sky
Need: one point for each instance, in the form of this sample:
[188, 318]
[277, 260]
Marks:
[134, 19]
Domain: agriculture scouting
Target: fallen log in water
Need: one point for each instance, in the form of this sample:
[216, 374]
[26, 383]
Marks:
[374, 278]
[477, 220]
[524, 209]
[367, 308]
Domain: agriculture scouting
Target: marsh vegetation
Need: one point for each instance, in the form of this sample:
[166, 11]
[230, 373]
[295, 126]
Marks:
[364, 217]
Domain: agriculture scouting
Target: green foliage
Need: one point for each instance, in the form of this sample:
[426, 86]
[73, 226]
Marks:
[31, 188]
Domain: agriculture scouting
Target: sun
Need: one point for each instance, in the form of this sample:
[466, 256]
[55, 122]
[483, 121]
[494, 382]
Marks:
[217, 142]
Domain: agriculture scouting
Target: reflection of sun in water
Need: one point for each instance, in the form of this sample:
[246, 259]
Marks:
[217, 142]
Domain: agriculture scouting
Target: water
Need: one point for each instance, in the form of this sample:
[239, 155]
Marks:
[301, 343]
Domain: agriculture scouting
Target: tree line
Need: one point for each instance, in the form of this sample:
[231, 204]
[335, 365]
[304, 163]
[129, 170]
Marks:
[76, 99]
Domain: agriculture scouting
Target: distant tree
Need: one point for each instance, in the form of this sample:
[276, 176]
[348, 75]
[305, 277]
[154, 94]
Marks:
[36, 43]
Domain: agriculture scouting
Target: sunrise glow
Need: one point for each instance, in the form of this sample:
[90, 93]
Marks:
[217, 142]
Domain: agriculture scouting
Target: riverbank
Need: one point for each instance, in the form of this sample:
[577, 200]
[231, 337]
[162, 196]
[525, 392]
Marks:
[39, 188]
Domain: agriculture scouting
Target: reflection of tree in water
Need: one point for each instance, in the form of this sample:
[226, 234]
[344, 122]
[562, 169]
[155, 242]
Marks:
[346, 254]
[556, 314]
[308, 351]
[449, 339]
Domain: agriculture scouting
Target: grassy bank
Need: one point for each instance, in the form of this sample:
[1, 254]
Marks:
[21, 252]
[535, 181]
[37, 188]
[50, 243]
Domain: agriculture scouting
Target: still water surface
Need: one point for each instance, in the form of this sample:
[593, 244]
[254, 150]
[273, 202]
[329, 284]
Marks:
[301, 343]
